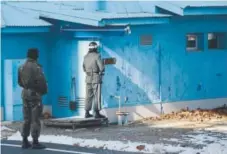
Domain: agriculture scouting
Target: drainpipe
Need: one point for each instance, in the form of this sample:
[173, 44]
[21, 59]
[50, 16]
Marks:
[160, 78]
[95, 5]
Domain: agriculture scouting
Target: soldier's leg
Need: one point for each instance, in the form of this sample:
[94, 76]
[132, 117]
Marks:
[26, 124]
[97, 100]
[88, 100]
[96, 97]
[37, 109]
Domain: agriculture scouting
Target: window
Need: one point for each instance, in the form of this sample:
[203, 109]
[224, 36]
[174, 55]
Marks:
[194, 42]
[146, 40]
[216, 40]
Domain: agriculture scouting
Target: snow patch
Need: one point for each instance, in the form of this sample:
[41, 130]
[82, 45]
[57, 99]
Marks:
[111, 145]
[222, 129]
[218, 146]
[200, 138]
[5, 128]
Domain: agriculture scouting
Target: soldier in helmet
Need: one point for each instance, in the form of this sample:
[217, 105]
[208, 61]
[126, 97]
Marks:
[94, 68]
[33, 82]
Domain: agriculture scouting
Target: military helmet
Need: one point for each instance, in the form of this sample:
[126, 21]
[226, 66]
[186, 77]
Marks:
[33, 53]
[93, 45]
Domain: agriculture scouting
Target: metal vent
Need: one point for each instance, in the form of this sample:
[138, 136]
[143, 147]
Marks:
[80, 102]
[63, 101]
[146, 40]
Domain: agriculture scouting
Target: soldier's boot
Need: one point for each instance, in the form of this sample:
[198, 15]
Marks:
[37, 145]
[88, 115]
[98, 115]
[25, 143]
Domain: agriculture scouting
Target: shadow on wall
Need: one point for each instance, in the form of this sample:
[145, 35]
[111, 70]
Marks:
[116, 83]
[135, 68]
[140, 84]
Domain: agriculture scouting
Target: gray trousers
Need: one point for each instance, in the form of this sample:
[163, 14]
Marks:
[32, 111]
[93, 95]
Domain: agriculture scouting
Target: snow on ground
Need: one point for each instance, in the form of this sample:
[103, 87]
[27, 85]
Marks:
[222, 129]
[111, 145]
[216, 144]
[5, 128]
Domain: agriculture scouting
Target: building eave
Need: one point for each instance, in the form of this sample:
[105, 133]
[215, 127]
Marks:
[170, 7]
[89, 22]
[24, 29]
[136, 21]
[205, 11]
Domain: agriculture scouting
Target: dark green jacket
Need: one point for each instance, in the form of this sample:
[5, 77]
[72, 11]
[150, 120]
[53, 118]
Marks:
[31, 78]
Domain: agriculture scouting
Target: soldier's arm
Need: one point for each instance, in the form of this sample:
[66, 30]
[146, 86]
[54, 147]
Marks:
[84, 67]
[19, 78]
[100, 64]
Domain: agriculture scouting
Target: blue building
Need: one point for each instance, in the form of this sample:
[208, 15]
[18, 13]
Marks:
[170, 55]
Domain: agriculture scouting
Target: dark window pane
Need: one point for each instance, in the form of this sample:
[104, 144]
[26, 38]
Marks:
[212, 41]
[191, 44]
[191, 41]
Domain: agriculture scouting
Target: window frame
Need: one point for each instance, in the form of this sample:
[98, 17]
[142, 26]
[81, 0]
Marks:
[219, 35]
[196, 48]
[199, 46]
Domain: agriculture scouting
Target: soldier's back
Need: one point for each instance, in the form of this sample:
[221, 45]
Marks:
[90, 62]
[28, 73]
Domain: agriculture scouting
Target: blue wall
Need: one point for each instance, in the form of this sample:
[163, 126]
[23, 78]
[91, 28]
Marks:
[164, 71]
[183, 75]
[63, 47]
[15, 46]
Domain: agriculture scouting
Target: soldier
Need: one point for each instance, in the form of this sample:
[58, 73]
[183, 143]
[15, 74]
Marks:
[94, 68]
[33, 82]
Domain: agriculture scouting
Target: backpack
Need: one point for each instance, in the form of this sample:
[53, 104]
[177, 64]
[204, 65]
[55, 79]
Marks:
[37, 83]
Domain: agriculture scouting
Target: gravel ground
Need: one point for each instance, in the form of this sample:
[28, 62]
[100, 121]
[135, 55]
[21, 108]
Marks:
[145, 133]
[209, 136]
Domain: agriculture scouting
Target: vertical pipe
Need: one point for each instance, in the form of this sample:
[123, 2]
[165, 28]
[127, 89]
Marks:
[160, 77]
[119, 103]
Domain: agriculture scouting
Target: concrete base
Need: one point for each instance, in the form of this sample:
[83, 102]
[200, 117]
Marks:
[2, 113]
[48, 109]
[144, 111]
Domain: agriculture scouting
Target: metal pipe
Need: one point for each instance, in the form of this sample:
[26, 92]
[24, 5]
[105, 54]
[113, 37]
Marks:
[119, 103]
[94, 30]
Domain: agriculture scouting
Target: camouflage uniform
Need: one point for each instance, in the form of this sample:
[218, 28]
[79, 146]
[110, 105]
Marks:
[33, 82]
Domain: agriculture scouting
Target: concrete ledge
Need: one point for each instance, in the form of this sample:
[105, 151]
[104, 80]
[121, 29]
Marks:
[144, 111]
[47, 108]
[2, 113]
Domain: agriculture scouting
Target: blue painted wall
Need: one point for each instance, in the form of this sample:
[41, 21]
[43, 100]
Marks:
[183, 75]
[164, 71]
[15, 46]
[61, 74]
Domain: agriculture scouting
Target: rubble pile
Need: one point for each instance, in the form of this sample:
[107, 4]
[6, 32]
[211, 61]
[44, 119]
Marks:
[46, 115]
[199, 115]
